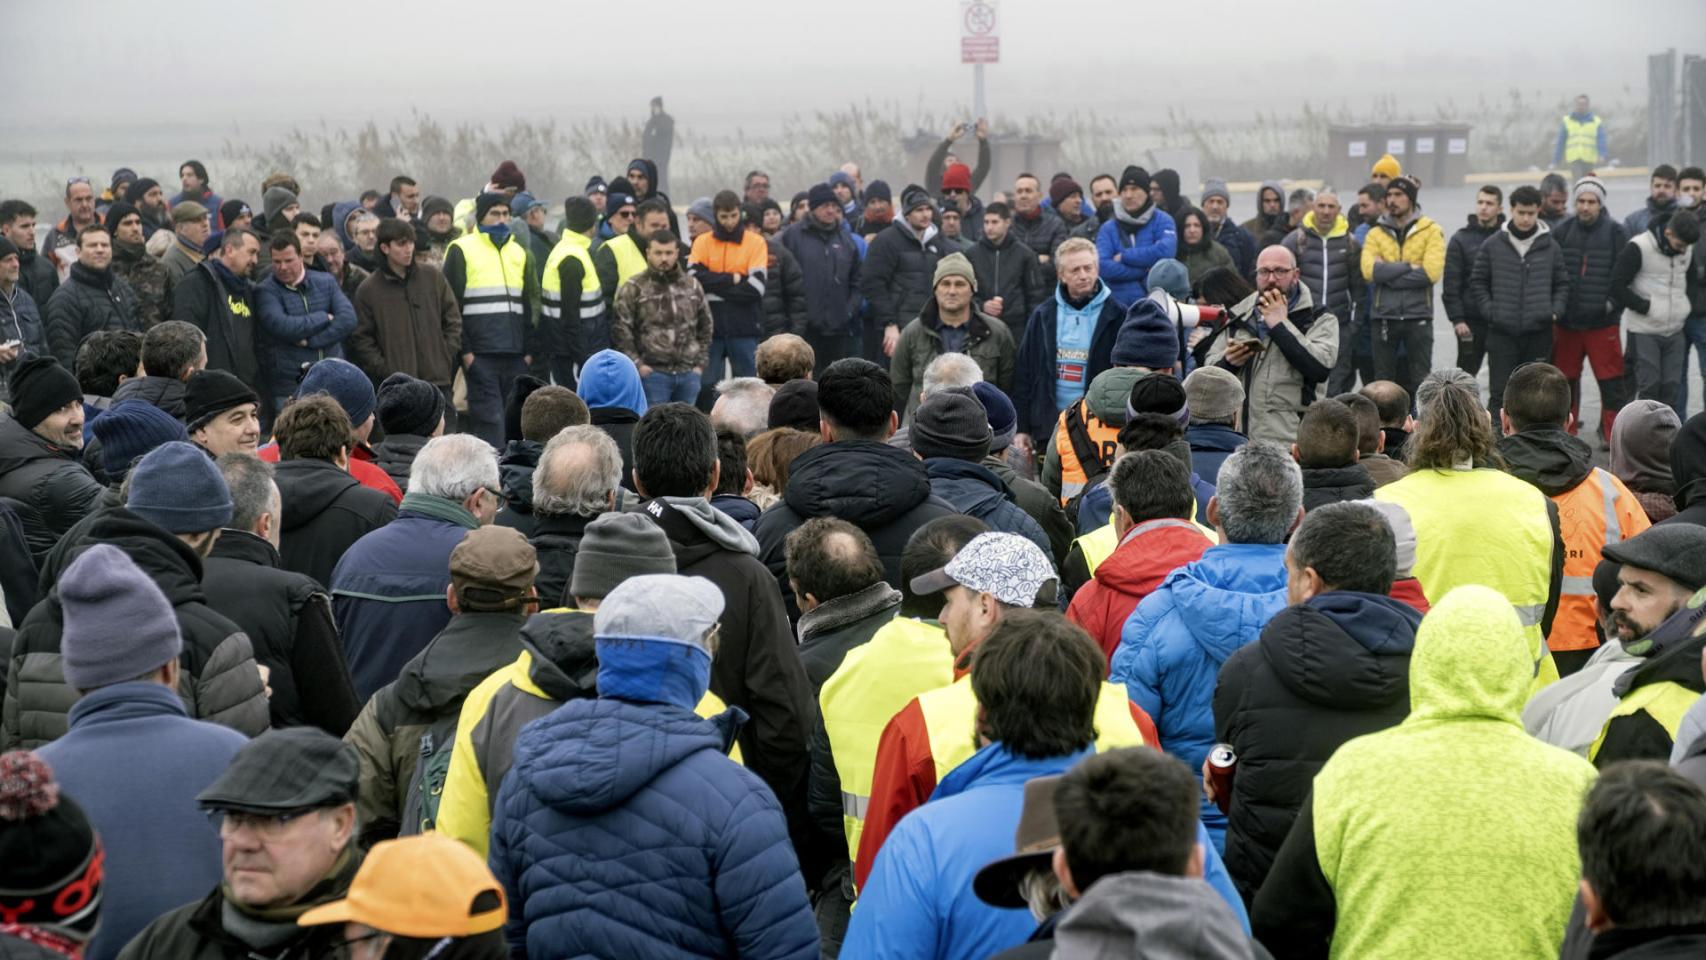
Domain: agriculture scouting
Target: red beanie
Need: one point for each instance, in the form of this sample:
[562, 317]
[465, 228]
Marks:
[957, 177]
[509, 175]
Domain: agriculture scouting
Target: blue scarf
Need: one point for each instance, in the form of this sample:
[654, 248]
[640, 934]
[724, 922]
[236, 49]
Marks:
[498, 232]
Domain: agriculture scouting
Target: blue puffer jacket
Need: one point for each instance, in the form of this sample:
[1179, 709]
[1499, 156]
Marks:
[1175, 641]
[1139, 242]
[315, 312]
[976, 491]
[623, 832]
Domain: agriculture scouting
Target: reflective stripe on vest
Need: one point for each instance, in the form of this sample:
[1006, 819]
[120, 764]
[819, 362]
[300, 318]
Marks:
[950, 715]
[495, 279]
[1581, 141]
[591, 297]
[1590, 521]
[1453, 512]
[1665, 702]
[630, 262]
[1073, 477]
[905, 658]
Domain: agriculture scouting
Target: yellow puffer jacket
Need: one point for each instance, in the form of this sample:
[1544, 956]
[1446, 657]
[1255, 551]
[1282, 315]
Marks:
[1414, 262]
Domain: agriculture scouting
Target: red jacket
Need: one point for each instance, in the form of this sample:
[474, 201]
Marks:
[1149, 552]
[361, 467]
[905, 776]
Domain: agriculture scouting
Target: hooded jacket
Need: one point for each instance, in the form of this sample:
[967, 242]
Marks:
[610, 387]
[757, 667]
[1376, 860]
[1174, 643]
[288, 618]
[1268, 229]
[877, 488]
[1324, 672]
[1329, 263]
[1324, 485]
[675, 849]
[1150, 552]
[47, 484]
[1150, 916]
[1520, 292]
[1460, 251]
[219, 682]
[388, 588]
[1413, 260]
[88, 301]
[987, 341]
[1590, 255]
[299, 324]
[1291, 361]
[407, 324]
[975, 490]
[1137, 241]
[429, 688]
[663, 321]
[899, 266]
[325, 512]
[222, 305]
[831, 275]
[1688, 470]
[1035, 370]
[1008, 270]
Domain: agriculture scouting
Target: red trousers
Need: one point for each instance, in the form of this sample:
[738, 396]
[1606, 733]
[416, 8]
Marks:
[1604, 350]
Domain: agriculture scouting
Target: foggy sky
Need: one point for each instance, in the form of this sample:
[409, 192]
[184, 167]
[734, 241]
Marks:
[719, 65]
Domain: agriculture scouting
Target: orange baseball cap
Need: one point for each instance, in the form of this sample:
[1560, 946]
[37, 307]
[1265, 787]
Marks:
[422, 887]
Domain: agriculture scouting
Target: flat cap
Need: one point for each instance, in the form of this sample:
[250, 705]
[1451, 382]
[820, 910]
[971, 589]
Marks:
[296, 768]
[1674, 550]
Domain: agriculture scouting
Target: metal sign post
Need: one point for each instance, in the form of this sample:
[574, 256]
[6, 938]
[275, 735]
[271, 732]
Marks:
[980, 43]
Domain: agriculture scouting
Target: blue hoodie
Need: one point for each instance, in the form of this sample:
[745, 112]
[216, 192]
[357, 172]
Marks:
[623, 830]
[610, 379]
[340, 212]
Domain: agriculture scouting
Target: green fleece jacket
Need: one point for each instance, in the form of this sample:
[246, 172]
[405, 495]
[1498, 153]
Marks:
[1450, 835]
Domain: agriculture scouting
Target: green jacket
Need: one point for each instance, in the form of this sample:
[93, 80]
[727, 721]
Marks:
[988, 341]
[1452, 834]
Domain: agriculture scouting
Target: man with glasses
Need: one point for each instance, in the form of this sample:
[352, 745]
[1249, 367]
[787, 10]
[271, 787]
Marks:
[61, 242]
[1281, 345]
[285, 815]
[757, 187]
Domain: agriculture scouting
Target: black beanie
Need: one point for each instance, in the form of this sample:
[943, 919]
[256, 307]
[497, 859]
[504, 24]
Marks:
[230, 210]
[39, 387]
[8, 249]
[794, 404]
[1404, 185]
[579, 214]
[952, 424]
[409, 405]
[485, 202]
[209, 393]
[1135, 175]
[47, 846]
[116, 213]
[140, 189]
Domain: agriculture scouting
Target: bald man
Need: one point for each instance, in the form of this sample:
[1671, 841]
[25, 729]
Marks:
[1281, 345]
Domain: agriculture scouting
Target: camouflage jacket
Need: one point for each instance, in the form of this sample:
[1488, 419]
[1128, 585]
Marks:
[663, 321]
[148, 276]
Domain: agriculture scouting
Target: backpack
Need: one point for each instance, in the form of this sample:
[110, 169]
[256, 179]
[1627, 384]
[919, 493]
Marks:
[426, 787]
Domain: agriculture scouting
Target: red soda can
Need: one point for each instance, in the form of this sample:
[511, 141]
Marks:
[1222, 765]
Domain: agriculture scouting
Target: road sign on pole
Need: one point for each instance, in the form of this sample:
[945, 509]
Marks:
[980, 37]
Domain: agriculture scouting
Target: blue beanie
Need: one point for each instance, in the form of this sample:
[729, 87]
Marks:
[820, 194]
[1003, 418]
[1147, 338]
[178, 488]
[118, 625]
[346, 384]
[841, 177]
[1171, 276]
[131, 428]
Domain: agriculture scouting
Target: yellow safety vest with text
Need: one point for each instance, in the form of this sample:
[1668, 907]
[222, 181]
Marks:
[591, 304]
[496, 278]
[1581, 139]
[630, 262]
[904, 659]
[950, 714]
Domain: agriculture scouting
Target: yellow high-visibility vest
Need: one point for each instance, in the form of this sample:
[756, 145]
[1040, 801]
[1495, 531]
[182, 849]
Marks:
[1581, 139]
[591, 304]
[496, 278]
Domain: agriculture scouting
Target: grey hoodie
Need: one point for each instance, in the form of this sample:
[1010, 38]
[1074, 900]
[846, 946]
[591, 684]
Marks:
[714, 523]
[1151, 916]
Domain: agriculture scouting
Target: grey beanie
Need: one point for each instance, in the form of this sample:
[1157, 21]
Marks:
[952, 424]
[702, 209]
[178, 488]
[1215, 187]
[614, 547]
[275, 200]
[118, 625]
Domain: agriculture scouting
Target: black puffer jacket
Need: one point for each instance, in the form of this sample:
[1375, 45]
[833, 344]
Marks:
[556, 538]
[288, 618]
[325, 511]
[223, 307]
[1324, 485]
[785, 308]
[220, 682]
[1323, 672]
[396, 454]
[49, 488]
[1460, 251]
[880, 489]
[1329, 263]
[899, 265]
[88, 302]
[1009, 270]
[515, 475]
[1590, 253]
[1520, 294]
[167, 393]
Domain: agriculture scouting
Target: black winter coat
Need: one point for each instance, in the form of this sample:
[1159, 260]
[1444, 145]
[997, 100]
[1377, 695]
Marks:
[880, 489]
[48, 486]
[619, 424]
[1324, 485]
[515, 476]
[88, 302]
[830, 273]
[556, 538]
[396, 454]
[202, 298]
[219, 683]
[1330, 266]
[1010, 271]
[785, 306]
[1043, 235]
[1460, 251]
[1517, 294]
[899, 265]
[288, 618]
[1590, 254]
[325, 511]
[38, 275]
[1324, 671]
[20, 320]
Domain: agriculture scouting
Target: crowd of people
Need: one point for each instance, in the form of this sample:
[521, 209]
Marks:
[906, 573]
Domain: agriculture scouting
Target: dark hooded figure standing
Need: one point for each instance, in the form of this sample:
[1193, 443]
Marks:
[656, 142]
[643, 177]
